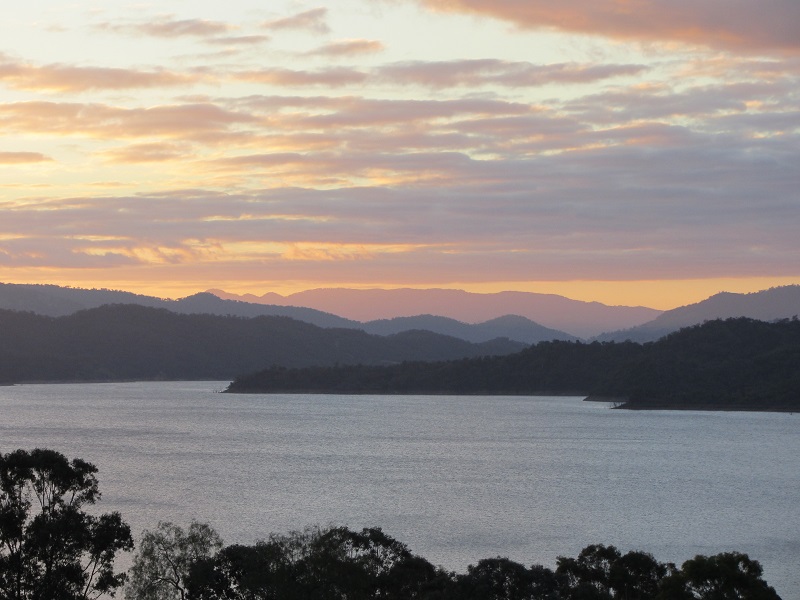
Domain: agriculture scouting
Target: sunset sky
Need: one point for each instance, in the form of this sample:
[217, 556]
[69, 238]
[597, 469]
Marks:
[626, 151]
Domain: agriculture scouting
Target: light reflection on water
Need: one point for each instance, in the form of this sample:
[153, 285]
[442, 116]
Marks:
[455, 478]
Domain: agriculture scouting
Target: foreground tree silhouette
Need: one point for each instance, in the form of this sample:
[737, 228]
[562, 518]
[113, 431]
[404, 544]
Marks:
[161, 566]
[315, 564]
[725, 576]
[50, 549]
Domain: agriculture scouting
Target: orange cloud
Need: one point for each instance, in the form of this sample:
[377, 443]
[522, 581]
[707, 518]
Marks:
[21, 158]
[348, 48]
[744, 25]
[145, 153]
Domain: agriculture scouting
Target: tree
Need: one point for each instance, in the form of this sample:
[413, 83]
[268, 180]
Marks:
[162, 565]
[317, 564]
[49, 547]
[503, 579]
[589, 575]
[725, 576]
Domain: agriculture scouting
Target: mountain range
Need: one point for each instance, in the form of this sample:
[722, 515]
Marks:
[578, 318]
[523, 317]
[767, 305]
[56, 301]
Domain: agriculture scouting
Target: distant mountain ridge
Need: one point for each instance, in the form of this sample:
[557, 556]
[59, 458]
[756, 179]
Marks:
[56, 301]
[767, 305]
[512, 327]
[578, 318]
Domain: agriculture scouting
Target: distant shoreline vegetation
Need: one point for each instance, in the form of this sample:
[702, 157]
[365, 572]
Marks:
[731, 364]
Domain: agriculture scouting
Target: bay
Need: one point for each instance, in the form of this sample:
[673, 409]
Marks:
[456, 478]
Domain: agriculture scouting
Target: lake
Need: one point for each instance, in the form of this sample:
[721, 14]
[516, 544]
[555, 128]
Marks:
[455, 478]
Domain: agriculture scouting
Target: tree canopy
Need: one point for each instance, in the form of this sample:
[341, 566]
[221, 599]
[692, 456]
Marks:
[50, 548]
[337, 563]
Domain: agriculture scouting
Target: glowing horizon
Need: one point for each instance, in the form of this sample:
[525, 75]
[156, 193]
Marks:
[638, 155]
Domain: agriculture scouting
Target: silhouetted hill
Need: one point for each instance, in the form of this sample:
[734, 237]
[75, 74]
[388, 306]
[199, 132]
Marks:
[581, 319]
[60, 301]
[57, 301]
[767, 305]
[741, 364]
[117, 342]
[512, 327]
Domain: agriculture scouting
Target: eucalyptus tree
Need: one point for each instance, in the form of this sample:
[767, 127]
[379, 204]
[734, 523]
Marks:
[165, 557]
[50, 548]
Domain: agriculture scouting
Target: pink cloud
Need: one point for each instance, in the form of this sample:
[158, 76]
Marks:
[314, 20]
[490, 71]
[766, 25]
[169, 27]
[325, 77]
[65, 78]
[204, 122]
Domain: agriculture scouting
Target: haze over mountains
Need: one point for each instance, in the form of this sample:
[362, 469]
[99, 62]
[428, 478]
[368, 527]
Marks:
[581, 319]
[519, 316]
[55, 301]
[766, 305]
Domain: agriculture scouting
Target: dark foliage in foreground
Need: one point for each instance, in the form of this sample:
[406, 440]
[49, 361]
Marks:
[50, 547]
[733, 363]
[339, 564]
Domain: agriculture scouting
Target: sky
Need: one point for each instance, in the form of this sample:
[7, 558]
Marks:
[638, 152]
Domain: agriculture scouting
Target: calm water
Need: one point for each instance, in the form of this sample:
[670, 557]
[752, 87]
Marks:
[456, 478]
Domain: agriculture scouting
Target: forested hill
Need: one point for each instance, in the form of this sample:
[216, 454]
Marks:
[724, 364]
[117, 342]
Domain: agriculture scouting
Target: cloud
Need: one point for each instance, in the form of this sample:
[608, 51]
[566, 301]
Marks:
[457, 73]
[314, 20]
[65, 78]
[348, 48]
[632, 212]
[238, 40]
[170, 27]
[146, 153]
[741, 25]
[444, 74]
[203, 122]
[332, 77]
[21, 158]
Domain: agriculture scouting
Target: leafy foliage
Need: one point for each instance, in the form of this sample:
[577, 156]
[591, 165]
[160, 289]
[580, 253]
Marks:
[161, 567]
[49, 547]
[337, 563]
